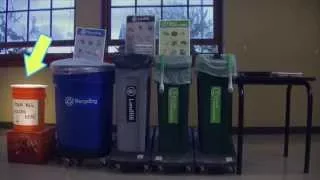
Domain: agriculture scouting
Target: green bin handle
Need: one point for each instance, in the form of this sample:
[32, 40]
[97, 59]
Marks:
[161, 87]
[230, 58]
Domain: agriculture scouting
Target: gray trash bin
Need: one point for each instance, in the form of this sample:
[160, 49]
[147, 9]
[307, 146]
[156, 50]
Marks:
[132, 83]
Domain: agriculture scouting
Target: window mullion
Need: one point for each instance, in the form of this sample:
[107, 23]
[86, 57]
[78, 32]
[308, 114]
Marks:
[188, 9]
[28, 17]
[135, 7]
[6, 25]
[51, 7]
[161, 15]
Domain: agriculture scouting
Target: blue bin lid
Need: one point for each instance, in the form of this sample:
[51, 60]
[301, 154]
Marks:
[79, 66]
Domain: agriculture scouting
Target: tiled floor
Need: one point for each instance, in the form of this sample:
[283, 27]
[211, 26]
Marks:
[262, 161]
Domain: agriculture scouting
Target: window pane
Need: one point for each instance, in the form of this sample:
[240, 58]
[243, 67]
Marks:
[17, 26]
[39, 4]
[174, 2]
[174, 13]
[122, 2]
[62, 49]
[39, 23]
[149, 2]
[206, 49]
[63, 24]
[17, 5]
[202, 22]
[3, 5]
[201, 2]
[149, 12]
[17, 50]
[2, 25]
[118, 21]
[113, 49]
[62, 3]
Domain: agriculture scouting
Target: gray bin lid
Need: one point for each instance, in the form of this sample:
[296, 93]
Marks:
[79, 66]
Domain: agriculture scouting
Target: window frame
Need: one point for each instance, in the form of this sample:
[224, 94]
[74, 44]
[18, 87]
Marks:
[217, 17]
[17, 60]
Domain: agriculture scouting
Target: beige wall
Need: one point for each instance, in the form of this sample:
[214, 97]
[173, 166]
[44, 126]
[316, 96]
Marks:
[280, 35]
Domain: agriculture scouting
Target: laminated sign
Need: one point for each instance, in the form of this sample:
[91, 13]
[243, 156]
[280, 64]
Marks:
[25, 112]
[174, 37]
[131, 92]
[89, 44]
[140, 35]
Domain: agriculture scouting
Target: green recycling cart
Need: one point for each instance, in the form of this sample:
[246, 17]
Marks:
[215, 76]
[173, 75]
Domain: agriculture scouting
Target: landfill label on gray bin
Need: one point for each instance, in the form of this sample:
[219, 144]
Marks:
[131, 92]
[90, 44]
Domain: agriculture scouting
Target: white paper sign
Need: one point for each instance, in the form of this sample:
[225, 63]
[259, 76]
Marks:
[90, 44]
[25, 112]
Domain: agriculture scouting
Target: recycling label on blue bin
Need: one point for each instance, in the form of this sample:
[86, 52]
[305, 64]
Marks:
[71, 101]
[131, 92]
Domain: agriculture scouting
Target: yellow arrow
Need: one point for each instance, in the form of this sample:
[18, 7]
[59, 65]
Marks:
[34, 62]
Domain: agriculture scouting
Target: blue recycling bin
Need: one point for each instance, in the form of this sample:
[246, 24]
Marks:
[83, 101]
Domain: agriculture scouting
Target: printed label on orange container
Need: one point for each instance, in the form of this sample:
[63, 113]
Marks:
[25, 112]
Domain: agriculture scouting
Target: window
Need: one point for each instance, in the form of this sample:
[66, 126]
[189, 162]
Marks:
[204, 15]
[23, 21]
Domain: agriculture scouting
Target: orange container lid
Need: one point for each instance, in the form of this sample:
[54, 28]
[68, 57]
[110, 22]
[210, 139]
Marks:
[29, 91]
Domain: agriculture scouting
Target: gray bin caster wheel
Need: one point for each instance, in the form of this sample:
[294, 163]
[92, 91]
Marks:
[202, 169]
[188, 169]
[103, 161]
[146, 168]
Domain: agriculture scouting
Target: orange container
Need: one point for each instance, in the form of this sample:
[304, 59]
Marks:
[28, 106]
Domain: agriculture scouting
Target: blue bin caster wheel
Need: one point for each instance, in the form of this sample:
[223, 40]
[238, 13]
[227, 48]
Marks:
[67, 162]
[78, 162]
[160, 168]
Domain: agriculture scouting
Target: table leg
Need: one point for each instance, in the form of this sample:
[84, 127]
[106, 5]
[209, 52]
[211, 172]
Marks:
[308, 130]
[240, 129]
[287, 122]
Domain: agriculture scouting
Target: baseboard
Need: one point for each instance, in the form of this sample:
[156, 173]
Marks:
[275, 130]
[246, 130]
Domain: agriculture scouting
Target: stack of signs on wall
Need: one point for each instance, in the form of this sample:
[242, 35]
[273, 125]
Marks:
[90, 44]
[140, 35]
[174, 37]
